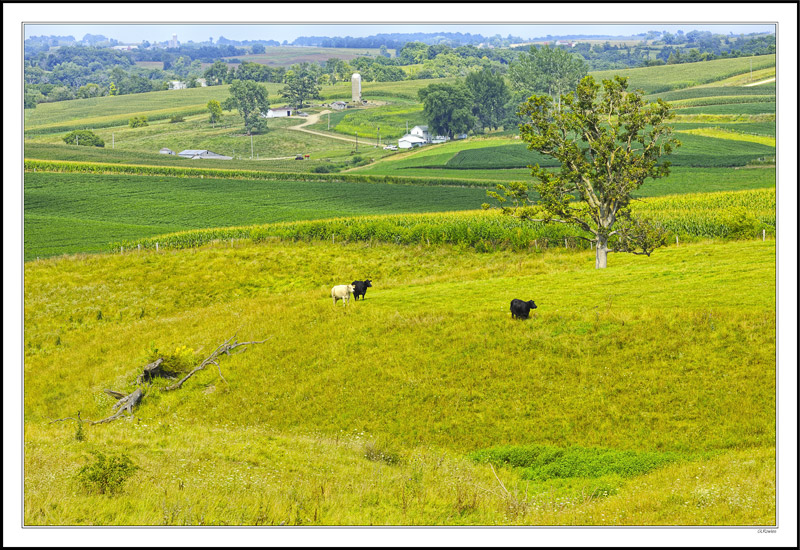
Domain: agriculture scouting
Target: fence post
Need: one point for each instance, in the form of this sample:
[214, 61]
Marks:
[156, 247]
[763, 234]
[333, 238]
[121, 249]
[676, 241]
[565, 243]
[139, 246]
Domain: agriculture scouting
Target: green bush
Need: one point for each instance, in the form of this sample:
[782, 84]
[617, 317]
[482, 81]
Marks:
[108, 473]
[176, 118]
[83, 137]
[137, 121]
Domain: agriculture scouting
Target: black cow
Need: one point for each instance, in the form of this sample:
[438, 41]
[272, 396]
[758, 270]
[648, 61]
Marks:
[521, 309]
[361, 288]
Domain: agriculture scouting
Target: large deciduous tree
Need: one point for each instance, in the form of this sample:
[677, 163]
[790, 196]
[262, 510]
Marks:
[251, 100]
[608, 144]
[545, 70]
[490, 97]
[447, 108]
[300, 87]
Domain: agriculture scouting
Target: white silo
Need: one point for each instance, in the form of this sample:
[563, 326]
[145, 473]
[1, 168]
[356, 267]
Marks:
[356, 80]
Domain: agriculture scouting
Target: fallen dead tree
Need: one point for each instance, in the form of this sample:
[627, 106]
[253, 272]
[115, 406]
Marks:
[126, 402]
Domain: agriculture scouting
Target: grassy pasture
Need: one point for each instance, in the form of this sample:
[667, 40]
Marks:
[351, 419]
[685, 75]
[391, 120]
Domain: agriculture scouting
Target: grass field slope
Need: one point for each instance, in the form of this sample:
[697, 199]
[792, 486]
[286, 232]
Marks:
[640, 395]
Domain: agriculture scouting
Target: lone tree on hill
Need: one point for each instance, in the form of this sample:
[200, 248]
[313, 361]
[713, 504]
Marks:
[607, 145]
[251, 100]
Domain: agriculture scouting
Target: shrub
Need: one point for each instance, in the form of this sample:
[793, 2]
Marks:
[83, 137]
[138, 121]
[176, 118]
[108, 473]
[322, 169]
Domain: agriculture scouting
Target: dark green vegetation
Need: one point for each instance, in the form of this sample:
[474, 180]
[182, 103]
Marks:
[540, 462]
[68, 213]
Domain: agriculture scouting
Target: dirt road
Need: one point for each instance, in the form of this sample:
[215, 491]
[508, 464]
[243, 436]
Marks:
[312, 119]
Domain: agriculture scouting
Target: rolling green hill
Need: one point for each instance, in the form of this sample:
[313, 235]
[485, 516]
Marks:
[384, 414]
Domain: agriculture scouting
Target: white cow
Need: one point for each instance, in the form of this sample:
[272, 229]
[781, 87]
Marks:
[342, 292]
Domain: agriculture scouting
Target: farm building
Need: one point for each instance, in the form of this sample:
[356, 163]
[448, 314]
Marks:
[202, 154]
[166, 151]
[410, 140]
[421, 131]
[356, 86]
[339, 105]
[279, 112]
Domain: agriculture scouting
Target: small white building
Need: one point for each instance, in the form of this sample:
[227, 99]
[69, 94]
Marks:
[421, 131]
[177, 85]
[202, 154]
[279, 112]
[339, 105]
[440, 139]
[166, 151]
[410, 140]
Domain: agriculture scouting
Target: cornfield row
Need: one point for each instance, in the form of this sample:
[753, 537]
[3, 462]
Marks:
[32, 165]
[727, 215]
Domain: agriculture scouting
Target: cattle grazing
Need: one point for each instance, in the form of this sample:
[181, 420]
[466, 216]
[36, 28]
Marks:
[342, 292]
[361, 288]
[521, 309]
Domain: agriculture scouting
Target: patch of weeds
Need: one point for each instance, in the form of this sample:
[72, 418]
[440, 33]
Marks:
[540, 462]
[108, 474]
[381, 450]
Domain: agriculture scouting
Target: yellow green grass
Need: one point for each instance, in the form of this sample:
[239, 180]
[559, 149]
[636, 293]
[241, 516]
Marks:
[368, 415]
[730, 134]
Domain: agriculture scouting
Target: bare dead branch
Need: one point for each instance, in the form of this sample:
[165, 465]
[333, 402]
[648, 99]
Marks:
[225, 348]
[127, 403]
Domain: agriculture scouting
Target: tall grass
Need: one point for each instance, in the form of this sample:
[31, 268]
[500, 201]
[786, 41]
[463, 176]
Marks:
[742, 214]
[369, 416]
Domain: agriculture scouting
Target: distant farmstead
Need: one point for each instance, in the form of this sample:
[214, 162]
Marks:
[166, 151]
[202, 154]
[339, 105]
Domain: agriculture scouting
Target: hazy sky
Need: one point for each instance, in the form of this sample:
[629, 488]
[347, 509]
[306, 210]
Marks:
[128, 33]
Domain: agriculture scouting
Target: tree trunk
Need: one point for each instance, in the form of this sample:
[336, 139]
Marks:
[601, 252]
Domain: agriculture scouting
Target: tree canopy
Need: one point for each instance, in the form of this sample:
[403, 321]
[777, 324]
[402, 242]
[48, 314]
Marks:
[251, 100]
[490, 97]
[447, 108]
[608, 144]
[545, 70]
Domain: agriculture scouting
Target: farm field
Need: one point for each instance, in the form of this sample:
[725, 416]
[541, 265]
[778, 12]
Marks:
[641, 394]
[69, 213]
[356, 422]
[283, 56]
[672, 77]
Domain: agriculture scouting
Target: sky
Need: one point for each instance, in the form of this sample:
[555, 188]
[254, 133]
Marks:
[127, 33]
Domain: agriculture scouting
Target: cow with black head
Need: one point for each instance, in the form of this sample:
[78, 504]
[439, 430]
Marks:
[361, 288]
[521, 309]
